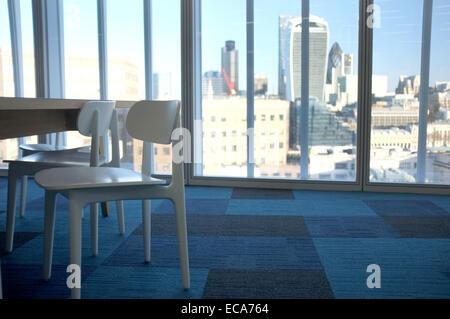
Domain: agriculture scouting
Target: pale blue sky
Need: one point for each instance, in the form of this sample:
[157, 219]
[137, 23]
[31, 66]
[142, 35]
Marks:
[397, 43]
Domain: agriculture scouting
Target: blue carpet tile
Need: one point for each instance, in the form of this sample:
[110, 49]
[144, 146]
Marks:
[21, 238]
[352, 227]
[217, 252]
[244, 243]
[25, 282]
[421, 227]
[251, 193]
[405, 208]
[230, 225]
[410, 268]
[267, 284]
[196, 206]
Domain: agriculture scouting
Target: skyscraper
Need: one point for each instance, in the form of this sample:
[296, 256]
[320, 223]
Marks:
[335, 63]
[230, 68]
[291, 54]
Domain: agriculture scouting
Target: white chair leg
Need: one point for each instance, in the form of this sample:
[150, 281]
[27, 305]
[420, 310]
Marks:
[120, 217]
[180, 216]
[49, 231]
[23, 196]
[146, 225]
[94, 229]
[76, 211]
[11, 214]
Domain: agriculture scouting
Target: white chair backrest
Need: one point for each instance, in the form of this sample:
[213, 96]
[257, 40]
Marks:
[86, 117]
[153, 121]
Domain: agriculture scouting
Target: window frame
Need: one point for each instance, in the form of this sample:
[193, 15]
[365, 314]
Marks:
[192, 96]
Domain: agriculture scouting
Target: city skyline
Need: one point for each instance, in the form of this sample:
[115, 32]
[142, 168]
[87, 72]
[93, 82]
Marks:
[399, 33]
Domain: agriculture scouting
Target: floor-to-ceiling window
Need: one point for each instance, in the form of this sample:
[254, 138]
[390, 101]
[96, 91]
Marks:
[272, 99]
[410, 93]
[252, 82]
[17, 78]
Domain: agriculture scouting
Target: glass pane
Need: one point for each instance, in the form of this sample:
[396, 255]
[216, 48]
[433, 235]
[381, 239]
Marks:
[126, 67]
[271, 111]
[8, 148]
[166, 66]
[81, 49]
[395, 112]
[333, 92]
[6, 66]
[125, 23]
[224, 100]
[333, 87]
[81, 57]
[438, 129]
[29, 79]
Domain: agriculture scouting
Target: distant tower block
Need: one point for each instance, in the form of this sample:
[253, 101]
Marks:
[230, 68]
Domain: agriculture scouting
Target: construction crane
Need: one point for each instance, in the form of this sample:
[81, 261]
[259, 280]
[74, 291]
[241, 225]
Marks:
[229, 83]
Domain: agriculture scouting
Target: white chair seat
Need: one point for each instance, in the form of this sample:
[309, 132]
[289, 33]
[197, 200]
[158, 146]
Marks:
[92, 177]
[63, 158]
[34, 148]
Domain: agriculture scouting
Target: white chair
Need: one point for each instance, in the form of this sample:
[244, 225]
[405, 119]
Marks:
[29, 149]
[94, 119]
[150, 121]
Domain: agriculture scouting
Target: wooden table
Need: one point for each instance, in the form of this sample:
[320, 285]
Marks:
[28, 116]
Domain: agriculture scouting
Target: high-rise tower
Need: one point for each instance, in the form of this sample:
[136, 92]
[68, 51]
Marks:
[230, 68]
[291, 54]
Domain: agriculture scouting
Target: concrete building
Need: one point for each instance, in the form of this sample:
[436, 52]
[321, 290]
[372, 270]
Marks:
[212, 84]
[405, 139]
[261, 84]
[325, 129]
[225, 134]
[408, 85]
[393, 116]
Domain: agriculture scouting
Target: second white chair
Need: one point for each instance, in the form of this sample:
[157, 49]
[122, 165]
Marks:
[94, 119]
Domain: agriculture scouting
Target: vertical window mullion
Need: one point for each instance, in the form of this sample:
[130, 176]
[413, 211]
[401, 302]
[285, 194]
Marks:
[250, 89]
[16, 46]
[423, 94]
[49, 52]
[365, 61]
[148, 151]
[197, 94]
[304, 125]
[102, 49]
[103, 58]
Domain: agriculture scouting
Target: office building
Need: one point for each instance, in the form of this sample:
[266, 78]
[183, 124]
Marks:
[325, 129]
[230, 68]
[212, 84]
[290, 57]
[336, 64]
[261, 83]
[408, 85]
